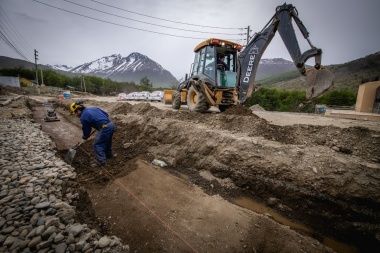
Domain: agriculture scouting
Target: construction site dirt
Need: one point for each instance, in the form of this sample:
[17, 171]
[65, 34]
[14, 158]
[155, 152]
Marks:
[233, 181]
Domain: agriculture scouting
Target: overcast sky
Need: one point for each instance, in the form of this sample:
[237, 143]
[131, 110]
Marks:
[168, 30]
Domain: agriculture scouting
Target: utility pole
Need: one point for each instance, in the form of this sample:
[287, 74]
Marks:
[84, 84]
[35, 60]
[42, 77]
[81, 82]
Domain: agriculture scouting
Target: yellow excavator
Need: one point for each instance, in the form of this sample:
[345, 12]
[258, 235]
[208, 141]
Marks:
[223, 73]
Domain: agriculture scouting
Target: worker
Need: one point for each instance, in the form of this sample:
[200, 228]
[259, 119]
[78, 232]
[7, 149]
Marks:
[94, 117]
[221, 62]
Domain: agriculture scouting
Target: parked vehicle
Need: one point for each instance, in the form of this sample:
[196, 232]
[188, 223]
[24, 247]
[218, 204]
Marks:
[142, 96]
[131, 96]
[121, 97]
[156, 96]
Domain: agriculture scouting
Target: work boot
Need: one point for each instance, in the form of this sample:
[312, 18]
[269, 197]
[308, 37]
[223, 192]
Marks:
[112, 156]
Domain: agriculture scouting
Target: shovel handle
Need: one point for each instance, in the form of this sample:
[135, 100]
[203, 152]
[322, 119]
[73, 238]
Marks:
[77, 145]
[80, 143]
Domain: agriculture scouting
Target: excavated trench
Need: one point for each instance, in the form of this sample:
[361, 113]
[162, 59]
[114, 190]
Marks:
[322, 182]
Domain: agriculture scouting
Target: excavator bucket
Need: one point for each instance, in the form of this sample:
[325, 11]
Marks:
[318, 82]
[168, 96]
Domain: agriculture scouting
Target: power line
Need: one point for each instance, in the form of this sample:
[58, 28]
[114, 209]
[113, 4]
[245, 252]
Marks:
[87, 7]
[104, 21]
[12, 46]
[20, 38]
[8, 40]
[164, 19]
[8, 32]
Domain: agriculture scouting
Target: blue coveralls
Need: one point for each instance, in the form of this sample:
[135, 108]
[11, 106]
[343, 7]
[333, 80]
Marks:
[226, 67]
[98, 119]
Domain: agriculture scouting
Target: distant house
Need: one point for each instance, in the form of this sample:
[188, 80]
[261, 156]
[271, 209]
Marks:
[368, 99]
[9, 81]
[25, 82]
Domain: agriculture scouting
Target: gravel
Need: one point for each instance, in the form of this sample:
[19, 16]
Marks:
[36, 214]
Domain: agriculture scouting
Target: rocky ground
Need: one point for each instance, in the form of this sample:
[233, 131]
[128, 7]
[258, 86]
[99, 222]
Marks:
[316, 188]
[39, 192]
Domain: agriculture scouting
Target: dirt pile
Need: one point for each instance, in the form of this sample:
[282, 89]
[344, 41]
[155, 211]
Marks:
[256, 107]
[325, 177]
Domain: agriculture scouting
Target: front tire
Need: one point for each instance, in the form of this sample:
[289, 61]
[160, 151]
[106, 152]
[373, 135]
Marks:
[196, 102]
[176, 100]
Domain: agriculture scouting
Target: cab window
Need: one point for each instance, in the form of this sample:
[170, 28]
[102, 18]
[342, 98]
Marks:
[201, 60]
[196, 63]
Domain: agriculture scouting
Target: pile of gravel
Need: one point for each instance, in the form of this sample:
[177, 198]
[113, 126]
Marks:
[36, 214]
[256, 107]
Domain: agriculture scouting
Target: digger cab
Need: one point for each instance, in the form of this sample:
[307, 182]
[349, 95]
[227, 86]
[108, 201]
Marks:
[206, 65]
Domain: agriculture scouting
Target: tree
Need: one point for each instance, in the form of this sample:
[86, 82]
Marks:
[173, 85]
[54, 79]
[145, 84]
[338, 98]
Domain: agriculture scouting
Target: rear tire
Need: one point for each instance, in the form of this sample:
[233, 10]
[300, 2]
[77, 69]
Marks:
[196, 102]
[176, 100]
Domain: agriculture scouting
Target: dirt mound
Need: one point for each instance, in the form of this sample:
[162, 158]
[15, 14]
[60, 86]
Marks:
[239, 110]
[324, 165]
[323, 177]
[256, 107]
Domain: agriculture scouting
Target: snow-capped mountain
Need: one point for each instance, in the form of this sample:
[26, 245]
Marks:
[135, 66]
[274, 66]
[60, 67]
[127, 69]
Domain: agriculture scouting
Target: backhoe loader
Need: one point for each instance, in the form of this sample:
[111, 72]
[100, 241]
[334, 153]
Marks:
[213, 84]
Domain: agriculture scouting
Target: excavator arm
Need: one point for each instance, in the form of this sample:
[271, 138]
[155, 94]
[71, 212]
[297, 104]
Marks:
[318, 79]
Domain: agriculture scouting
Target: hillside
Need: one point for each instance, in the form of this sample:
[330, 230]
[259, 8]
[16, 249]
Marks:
[7, 62]
[347, 75]
[136, 66]
[127, 69]
[121, 69]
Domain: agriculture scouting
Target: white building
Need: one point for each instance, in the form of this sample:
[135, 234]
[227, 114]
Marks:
[9, 81]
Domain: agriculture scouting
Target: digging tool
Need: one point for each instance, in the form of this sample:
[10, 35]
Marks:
[50, 113]
[51, 116]
[318, 82]
[72, 151]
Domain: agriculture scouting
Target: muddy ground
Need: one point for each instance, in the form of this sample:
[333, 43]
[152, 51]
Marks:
[233, 182]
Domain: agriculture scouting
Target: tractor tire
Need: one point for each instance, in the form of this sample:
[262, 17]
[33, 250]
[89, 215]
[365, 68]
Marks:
[176, 100]
[196, 102]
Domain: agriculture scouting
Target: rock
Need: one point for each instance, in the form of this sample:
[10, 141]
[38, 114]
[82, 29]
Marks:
[75, 230]
[34, 241]
[104, 242]
[42, 205]
[61, 248]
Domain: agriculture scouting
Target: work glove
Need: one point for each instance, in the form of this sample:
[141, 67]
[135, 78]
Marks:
[84, 140]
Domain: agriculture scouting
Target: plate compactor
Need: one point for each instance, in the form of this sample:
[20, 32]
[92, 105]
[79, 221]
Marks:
[50, 113]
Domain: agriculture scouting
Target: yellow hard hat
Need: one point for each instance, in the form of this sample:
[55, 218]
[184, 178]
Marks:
[73, 107]
[76, 106]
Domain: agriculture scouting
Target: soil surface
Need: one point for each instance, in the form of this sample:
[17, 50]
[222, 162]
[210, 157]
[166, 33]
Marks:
[233, 181]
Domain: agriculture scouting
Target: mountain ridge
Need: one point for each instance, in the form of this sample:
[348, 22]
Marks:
[275, 73]
[135, 66]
